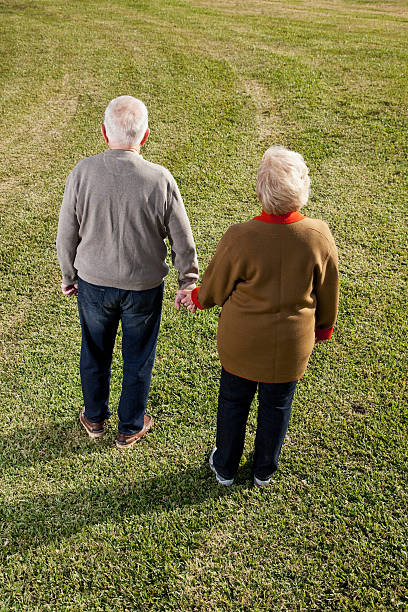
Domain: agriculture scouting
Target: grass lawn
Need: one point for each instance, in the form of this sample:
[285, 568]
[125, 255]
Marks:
[87, 528]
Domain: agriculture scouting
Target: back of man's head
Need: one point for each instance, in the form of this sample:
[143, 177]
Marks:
[126, 121]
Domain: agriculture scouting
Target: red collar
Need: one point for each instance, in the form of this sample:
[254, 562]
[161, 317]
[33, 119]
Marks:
[290, 217]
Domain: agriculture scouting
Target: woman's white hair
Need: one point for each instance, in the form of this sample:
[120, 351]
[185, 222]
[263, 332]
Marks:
[283, 181]
[126, 120]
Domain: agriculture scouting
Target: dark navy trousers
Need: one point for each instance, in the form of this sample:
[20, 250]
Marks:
[100, 310]
[234, 401]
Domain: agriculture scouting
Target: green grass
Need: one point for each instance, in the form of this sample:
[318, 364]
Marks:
[86, 528]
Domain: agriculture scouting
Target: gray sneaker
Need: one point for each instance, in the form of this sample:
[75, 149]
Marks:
[261, 483]
[227, 482]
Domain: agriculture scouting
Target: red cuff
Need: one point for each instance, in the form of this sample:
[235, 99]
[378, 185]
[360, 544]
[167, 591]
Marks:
[195, 298]
[323, 334]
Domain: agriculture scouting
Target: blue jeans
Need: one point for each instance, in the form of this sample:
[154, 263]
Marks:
[234, 401]
[100, 310]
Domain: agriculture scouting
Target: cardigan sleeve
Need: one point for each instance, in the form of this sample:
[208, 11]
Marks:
[327, 294]
[220, 276]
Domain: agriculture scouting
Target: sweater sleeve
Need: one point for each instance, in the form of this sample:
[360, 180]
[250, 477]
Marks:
[327, 294]
[178, 229]
[68, 233]
[220, 276]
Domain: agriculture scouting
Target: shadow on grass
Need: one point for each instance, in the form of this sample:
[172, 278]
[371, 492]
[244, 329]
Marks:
[41, 519]
[27, 447]
[45, 518]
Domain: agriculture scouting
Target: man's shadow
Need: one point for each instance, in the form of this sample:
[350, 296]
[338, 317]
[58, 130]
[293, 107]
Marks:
[26, 447]
[43, 518]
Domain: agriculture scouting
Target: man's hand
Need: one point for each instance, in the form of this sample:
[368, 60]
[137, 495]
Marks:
[69, 290]
[183, 295]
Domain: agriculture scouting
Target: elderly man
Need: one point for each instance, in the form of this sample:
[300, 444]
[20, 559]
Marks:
[116, 213]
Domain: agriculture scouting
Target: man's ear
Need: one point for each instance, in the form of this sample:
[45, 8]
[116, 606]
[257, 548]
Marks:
[145, 137]
[103, 130]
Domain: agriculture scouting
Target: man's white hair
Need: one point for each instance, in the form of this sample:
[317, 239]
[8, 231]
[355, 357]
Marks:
[126, 120]
[283, 181]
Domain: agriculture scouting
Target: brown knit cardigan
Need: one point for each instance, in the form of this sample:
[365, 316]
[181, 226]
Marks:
[276, 278]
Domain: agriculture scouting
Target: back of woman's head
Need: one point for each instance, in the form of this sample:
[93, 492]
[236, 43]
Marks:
[283, 181]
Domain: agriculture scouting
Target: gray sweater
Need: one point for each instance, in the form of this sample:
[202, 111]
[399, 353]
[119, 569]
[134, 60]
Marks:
[116, 213]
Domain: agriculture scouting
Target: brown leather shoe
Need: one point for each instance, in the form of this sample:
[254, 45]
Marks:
[125, 441]
[94, 430]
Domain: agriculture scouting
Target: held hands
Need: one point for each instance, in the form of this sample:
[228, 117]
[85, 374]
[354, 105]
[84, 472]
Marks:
[69, 290]
[188, 303]
[183, 297]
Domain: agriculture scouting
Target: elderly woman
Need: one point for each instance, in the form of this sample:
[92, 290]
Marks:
[276, 278]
